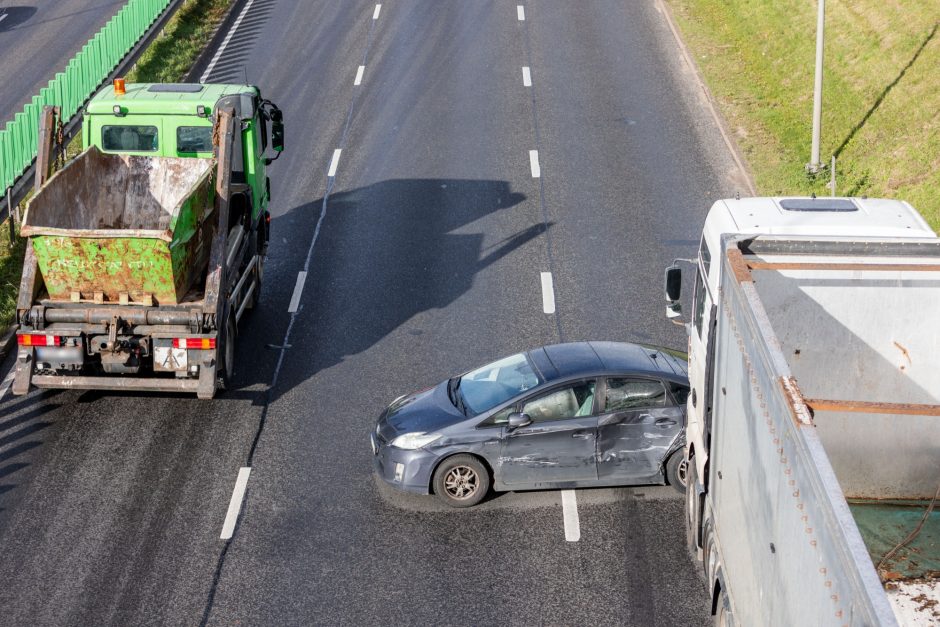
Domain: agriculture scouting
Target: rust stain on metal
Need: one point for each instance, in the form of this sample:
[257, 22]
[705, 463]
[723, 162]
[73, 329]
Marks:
[798, 406]
[904, 352]
[865, 407]
[866, 267]
[739, 267]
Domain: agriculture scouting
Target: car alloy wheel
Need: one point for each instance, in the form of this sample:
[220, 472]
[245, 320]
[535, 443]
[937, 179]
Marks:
[461, 482]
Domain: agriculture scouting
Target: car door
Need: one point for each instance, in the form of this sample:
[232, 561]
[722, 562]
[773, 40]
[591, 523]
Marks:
[637, 426]
[559, 444]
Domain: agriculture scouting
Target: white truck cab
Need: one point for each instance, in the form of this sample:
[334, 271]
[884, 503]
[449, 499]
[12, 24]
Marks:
[819, 218]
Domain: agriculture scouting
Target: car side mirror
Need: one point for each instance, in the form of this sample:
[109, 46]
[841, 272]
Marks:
[517, 420]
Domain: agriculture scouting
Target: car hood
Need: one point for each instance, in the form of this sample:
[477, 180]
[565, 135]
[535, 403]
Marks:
[425, 411]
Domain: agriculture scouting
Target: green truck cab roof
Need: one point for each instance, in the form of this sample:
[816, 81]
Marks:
[163, 98]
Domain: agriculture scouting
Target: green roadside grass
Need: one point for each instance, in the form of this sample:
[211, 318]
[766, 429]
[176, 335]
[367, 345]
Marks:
[881, 95]
[167, 59]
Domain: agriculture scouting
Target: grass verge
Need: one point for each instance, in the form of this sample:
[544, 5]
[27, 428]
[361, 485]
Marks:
[167, 59]
[881, 104]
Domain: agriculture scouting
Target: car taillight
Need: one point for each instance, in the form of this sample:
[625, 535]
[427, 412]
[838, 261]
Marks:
[37, 339]
[197, 343]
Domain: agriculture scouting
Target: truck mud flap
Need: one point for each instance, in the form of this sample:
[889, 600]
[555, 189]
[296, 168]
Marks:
[115, 383]
[25, 358]
[207, 382]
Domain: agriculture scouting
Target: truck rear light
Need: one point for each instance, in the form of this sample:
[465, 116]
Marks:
[39, 339]
[204, 343]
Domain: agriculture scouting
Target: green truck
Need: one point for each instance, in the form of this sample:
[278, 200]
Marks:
[146, 249]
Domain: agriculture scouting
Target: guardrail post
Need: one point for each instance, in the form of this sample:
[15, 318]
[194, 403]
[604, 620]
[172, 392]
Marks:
[10, 216]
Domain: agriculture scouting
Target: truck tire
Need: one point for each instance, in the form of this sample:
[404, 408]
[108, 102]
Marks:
[227, 358]
[723, 615]
[461, 481]
[676, 471]
[691, 510]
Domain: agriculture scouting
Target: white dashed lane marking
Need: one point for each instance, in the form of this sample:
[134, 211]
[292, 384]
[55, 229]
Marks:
[520, 12]
[534, 162]
[375, 14]
[334, 162]
[225, 42]
[235, 505]
[569, 507]
[359, 72]
[526, 76]
[298, 290]
[548, 293]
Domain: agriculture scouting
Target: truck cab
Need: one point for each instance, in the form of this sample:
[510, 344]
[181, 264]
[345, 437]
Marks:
[818, 218]
[177, 120]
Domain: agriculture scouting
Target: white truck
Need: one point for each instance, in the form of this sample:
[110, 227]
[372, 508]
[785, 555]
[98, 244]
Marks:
[813, 437]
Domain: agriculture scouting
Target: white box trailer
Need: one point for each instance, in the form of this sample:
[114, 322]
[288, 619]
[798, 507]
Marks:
[814, 435]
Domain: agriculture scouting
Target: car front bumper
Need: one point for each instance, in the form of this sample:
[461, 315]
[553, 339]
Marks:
[406, 470]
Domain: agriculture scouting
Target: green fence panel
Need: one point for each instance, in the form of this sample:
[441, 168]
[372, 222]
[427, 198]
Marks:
[72, 87]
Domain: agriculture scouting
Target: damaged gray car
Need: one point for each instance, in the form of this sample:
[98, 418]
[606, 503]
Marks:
[576, 415]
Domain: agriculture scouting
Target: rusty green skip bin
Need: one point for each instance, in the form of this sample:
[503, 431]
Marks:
[122, 228]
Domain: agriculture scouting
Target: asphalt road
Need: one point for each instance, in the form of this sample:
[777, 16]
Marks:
[424, 255]
[37, 39]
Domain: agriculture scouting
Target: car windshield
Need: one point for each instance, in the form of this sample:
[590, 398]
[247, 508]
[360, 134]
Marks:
[485, 388]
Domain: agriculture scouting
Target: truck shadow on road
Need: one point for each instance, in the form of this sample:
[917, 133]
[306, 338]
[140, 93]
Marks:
[385, 254]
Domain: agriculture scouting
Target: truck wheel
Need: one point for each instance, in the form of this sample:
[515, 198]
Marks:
[258, 273]
[723, 615]
[461, 481]
[228, 354]
[691, 509]
[676, 471]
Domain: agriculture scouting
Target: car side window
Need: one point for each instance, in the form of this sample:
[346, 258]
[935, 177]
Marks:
[625, 394]
[571, 401]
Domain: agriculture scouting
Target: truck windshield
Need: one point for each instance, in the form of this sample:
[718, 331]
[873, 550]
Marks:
[129, 138]
[192, 139]
[495, 383]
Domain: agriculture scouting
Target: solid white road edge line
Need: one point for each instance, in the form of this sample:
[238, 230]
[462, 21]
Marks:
[9, 380]
[334, 162]
[526, 76]
[375, 14]
[359, 72]
[534, 162]
[235, 505]
[569, 507]
[520, 12]
[298, 290]
[228, 38]
[548, 293]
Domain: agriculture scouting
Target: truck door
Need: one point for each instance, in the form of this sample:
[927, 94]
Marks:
[636, 429]
[559, 443]
[699, 338]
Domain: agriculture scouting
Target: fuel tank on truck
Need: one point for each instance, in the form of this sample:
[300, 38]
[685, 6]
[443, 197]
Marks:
[123, 228]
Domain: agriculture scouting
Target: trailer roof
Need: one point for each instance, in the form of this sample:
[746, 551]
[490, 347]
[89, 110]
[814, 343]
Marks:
[164, 98]
[861, 217]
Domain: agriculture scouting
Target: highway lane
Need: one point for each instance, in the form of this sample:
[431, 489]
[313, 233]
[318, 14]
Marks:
[433, 238]
[38, 38]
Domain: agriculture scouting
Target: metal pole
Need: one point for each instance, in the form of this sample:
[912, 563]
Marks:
[814, 164]
[832, 181]
[10, 217]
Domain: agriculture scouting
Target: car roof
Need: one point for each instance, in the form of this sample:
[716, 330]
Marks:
[573, 359]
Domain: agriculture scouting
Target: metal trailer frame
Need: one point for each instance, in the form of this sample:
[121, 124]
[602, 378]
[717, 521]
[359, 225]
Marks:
[227, 294]
[773, 506]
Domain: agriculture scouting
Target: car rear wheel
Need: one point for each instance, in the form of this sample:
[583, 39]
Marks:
[677, 471]
[461, 481]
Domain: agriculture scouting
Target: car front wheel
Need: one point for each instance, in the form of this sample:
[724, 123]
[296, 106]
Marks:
[461, 481]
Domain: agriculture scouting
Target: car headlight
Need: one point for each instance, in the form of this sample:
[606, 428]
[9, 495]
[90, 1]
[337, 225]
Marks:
[411, 441]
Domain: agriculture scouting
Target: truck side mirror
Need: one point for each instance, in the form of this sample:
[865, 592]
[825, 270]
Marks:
[277, 130]
[673, 289]
[673, 283]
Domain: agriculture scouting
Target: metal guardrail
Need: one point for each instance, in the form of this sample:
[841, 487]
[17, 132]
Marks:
[112, 50]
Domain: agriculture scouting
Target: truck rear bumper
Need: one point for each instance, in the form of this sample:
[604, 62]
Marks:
[115, 383]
